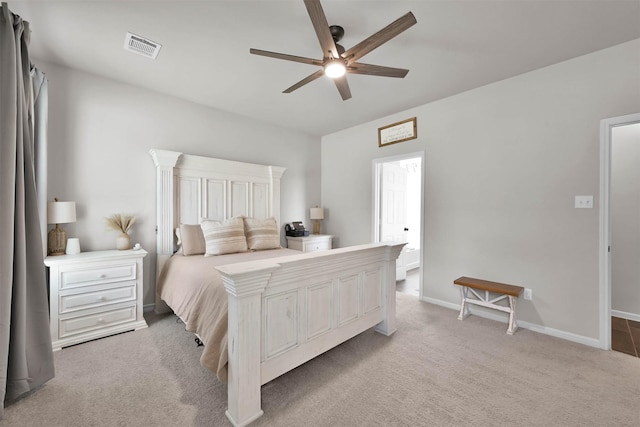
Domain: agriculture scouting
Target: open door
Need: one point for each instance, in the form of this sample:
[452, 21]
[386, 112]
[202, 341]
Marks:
[393, 220]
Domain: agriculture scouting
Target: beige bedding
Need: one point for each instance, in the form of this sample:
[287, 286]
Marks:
[193, 288]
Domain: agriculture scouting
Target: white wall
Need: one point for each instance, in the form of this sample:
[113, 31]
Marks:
[625, 219]
[100, 132]
[502, 166]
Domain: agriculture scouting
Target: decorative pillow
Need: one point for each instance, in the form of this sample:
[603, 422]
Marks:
[262, 234]
[223, 237]
[191, 239]
[178, 241]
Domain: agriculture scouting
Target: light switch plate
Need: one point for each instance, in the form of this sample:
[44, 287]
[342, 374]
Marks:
[584, 202]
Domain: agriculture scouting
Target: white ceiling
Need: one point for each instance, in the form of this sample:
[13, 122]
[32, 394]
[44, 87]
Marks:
[454, 47]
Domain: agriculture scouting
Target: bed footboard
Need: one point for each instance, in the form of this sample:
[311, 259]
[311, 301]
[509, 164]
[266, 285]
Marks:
[286, 311]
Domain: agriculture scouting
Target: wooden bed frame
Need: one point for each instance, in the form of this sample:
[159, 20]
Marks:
[281, 312]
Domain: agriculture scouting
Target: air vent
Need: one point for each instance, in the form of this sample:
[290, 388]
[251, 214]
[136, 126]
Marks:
[141, 46]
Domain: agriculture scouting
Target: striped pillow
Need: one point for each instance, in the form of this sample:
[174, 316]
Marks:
[224, 237]
[262, 234]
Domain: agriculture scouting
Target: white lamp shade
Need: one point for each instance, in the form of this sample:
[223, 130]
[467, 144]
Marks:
[316, 213]
[61, 212]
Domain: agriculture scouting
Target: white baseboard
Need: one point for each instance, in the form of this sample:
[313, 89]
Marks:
[413, 265]
[441, 303]
[591, 342]
[625, 315]
[148, 307]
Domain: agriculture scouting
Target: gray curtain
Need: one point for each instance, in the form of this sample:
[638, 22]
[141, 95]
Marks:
[26, 358]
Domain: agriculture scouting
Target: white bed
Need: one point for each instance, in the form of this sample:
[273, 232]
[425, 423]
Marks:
[282, 311]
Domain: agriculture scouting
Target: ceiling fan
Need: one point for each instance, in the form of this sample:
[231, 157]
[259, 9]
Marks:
[337, 61]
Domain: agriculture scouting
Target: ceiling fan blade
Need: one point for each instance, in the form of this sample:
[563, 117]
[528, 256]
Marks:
[293, 58]
[382, 36]
[376, 70]
[320, 24]
[343, 87]
[304, 81]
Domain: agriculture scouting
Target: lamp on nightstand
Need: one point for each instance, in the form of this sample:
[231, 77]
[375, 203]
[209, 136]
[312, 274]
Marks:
[59, 213]
[316, 214]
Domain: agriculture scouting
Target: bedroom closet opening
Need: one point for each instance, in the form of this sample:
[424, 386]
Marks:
[398, 212]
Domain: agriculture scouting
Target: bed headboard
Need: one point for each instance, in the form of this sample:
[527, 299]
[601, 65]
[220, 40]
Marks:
[189, 188]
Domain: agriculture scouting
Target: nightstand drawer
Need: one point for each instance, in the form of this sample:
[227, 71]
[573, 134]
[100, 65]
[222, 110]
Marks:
[74, 302]
[312, 243]
[100, 320]
[71, 278]
[317, 246]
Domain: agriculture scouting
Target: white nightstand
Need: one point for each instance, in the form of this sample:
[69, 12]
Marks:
[310, 243]
[94, 294]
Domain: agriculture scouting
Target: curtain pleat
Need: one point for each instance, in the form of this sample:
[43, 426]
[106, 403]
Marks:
[40, 126]
[26, 358]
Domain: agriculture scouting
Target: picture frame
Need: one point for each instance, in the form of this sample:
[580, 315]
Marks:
[398, 132]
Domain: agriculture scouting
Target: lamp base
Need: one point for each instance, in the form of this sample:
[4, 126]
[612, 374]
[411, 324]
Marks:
[316, 226]
[57, 241]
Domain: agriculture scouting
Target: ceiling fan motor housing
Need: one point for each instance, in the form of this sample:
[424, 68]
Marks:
[337, 32]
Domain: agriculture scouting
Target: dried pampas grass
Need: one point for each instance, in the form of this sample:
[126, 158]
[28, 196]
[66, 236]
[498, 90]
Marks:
[121, 222]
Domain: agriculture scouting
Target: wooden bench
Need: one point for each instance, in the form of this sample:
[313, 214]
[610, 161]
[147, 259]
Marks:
[506, 291]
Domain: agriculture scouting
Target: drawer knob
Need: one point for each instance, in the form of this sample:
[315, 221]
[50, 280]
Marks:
[100, 320]
[102, 298]
[103, 276]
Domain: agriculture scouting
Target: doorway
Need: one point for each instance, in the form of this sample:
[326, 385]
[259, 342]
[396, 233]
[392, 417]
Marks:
[619, 204]
[398, 212]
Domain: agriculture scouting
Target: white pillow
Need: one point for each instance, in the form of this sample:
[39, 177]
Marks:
[223, 237]
[262, 234]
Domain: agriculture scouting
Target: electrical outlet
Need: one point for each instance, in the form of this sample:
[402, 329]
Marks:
[584, 202]
[528, 294]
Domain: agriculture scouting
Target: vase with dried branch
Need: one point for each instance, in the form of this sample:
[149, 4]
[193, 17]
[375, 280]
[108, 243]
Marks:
[122, 223]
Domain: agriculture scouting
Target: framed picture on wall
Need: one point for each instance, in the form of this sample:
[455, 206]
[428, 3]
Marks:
[398, 132]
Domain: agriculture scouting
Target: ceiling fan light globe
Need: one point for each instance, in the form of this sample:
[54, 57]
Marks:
[335, 69]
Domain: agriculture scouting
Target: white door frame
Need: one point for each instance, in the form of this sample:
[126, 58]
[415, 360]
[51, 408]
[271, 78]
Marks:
[606, 126]
[377, 172]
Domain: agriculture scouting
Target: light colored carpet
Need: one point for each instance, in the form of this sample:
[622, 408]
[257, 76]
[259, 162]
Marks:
[435, 371]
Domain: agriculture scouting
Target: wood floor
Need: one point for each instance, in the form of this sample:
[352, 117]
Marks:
[625, 336]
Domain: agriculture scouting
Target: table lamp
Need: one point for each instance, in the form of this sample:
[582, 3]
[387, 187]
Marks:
[316, 214]
[59, 213]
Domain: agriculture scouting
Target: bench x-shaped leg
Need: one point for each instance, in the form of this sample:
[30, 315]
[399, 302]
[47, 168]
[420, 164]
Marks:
[464, 307]
[485, 301]
[513, 325]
